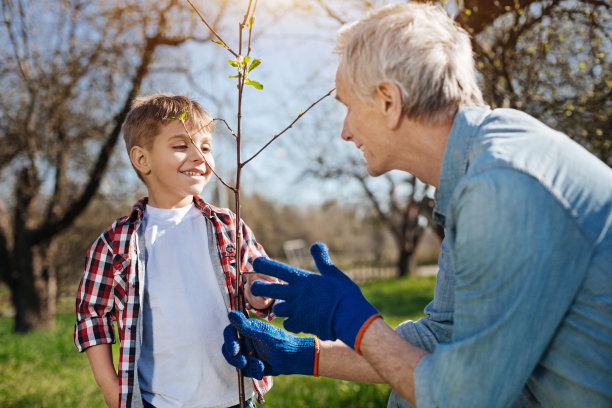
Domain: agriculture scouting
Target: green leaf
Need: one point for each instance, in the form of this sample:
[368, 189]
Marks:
[255, 84]
[233, 76]
[183, 114]
[250, 22]
[219, 42]
[256, 62]
[246, 60]
[172, 118]
[234, 63]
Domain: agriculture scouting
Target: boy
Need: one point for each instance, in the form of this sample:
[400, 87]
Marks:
[166, 273]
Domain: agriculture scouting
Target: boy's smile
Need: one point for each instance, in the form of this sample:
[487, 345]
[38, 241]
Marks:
[174, 171]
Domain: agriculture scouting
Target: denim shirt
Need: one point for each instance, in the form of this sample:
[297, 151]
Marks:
[522, 313]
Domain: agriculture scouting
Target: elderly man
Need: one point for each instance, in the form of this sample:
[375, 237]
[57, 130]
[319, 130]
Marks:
[522, 313]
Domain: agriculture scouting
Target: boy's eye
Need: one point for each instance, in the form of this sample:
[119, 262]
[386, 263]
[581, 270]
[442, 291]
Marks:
[180, 147]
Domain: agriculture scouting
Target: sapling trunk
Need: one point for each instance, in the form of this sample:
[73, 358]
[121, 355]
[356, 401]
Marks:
[244, 64]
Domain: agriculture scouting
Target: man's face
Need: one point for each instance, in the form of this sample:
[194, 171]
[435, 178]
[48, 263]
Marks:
[177, 170]
[365, 126]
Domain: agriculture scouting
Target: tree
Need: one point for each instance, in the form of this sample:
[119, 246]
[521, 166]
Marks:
[549, 58]
[69, 71]
[344, 228]
[401, 205]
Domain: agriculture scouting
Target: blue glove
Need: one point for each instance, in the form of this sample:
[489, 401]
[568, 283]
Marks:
[251, 366]
[329, 305]
[267, 349]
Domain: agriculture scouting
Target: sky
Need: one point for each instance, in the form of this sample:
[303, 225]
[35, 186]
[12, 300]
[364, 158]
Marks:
[296, 47]
[298, 67]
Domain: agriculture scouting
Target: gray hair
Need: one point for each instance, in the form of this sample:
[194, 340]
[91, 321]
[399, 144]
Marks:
[418, 47]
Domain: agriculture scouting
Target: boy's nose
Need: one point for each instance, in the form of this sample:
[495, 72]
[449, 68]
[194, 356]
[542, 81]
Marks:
[196, 154]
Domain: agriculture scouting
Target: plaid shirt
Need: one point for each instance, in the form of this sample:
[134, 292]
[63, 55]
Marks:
[109, 288]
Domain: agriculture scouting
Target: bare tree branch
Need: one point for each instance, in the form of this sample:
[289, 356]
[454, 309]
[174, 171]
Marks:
[276, 136]
[97, 172]
[330, 12]
[212, 30]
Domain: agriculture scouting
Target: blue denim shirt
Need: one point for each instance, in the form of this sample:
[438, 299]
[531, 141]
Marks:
[522, 313]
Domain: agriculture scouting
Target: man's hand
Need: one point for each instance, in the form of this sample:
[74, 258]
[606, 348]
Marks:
[267, 349]
[328, 305]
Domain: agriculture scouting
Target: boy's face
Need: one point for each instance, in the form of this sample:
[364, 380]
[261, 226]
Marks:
[173, 169]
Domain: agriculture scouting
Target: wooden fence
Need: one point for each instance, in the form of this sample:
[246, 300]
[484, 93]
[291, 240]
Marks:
[366, 273]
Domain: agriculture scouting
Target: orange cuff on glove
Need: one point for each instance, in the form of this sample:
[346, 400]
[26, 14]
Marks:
[316, 360]
[363, 330]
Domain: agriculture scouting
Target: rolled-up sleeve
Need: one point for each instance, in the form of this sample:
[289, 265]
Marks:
[427, 332]
[437, 327]
[95, 298]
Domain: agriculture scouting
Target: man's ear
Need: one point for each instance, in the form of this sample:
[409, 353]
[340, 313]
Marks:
[140, 159]
[389, 99]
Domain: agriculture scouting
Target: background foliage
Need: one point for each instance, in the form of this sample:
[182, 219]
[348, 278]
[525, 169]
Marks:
[43, 369]
[71, 68]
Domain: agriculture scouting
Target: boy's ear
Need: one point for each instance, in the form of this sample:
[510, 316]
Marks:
[389, 100]
[140, 160]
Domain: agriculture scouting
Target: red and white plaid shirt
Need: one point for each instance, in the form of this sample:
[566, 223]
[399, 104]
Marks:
[109, 288]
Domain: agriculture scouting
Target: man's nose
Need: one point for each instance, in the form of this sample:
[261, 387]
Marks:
[346, 131]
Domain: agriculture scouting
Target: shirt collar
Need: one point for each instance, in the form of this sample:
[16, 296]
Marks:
[201, 205]
[455, 162]
[138, 209]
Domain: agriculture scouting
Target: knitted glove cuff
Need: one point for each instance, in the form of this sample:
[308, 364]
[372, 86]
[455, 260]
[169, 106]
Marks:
[317, 345]
[363, 330]
[301, 356]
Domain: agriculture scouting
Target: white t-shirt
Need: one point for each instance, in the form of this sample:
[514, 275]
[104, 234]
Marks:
[184, 314]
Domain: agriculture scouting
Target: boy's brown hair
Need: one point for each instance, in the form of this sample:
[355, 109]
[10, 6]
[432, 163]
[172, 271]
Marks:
[149, 113]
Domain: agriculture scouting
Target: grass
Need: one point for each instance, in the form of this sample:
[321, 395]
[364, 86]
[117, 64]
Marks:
[43, 369]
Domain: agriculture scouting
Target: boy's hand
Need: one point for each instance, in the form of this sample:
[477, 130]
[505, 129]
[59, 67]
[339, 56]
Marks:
[258, 302]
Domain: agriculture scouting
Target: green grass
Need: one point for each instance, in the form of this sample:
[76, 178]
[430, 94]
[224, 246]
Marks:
[43, 369]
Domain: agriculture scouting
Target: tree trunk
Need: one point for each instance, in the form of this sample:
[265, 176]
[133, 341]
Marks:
[404, 263]
[408, 243]
[35, 291]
